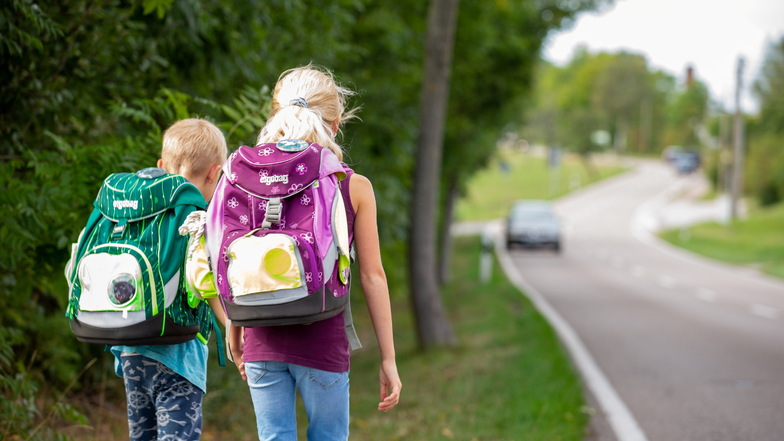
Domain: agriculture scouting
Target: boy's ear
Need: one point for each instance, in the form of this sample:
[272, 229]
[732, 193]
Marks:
[160, 163]
[214, 173]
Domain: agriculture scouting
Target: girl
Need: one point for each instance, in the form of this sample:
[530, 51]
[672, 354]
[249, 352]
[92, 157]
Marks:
[313, 359]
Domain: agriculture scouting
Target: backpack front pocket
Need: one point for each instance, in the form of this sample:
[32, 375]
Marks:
[270, 269]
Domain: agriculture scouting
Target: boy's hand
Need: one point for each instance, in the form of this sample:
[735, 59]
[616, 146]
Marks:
[391, 385]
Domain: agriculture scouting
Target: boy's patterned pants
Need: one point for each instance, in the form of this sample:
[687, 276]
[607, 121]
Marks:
[162, 405]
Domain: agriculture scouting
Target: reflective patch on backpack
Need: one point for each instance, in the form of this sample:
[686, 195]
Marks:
[267, 270]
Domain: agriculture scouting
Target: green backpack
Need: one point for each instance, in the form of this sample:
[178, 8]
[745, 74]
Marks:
[126, 273]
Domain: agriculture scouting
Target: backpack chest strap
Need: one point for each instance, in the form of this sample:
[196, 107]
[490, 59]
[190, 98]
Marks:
[272, 214]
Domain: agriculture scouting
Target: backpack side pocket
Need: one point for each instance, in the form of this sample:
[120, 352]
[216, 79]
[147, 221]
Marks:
[270, 269]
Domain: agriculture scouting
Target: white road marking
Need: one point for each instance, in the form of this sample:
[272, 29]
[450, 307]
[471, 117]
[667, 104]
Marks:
[764, 311]
[666, 282]
[638, 271]
[706, 295]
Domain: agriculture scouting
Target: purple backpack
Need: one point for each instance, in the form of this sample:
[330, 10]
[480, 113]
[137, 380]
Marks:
[277, 235]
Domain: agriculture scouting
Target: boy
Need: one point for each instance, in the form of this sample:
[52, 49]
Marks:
[165, 384]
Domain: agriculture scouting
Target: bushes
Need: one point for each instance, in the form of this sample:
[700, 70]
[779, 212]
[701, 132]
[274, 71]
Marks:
[764, 168]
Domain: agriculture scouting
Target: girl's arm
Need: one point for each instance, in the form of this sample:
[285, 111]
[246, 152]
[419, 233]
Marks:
[217, 309]
[374, 284]
[235, 346]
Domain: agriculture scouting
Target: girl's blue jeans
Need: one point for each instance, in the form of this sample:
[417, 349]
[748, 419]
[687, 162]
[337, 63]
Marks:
[162, 405]
[273, 386]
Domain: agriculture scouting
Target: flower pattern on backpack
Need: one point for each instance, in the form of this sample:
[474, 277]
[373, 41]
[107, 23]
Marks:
[305, 200]
[301, 168]
[232, 203]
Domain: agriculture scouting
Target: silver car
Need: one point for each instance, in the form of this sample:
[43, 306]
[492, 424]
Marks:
[533, 223]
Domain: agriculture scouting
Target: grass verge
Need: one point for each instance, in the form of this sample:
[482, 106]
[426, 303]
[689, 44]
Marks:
[509, 378]
[516, 175]
[757, 241]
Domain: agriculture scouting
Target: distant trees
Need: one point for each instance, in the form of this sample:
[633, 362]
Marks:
[765, 158]
[641, 109]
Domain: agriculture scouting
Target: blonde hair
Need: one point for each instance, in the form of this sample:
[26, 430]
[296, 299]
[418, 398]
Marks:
[306, 104]
[191, 146]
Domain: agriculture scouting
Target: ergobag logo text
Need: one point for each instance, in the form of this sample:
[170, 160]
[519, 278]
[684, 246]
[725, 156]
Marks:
[125, 271]
[126, 204]
[264, 179]
[279, 247]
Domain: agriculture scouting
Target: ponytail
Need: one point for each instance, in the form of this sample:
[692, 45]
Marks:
[306, 104]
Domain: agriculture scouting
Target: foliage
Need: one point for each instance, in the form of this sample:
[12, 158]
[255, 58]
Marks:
[496, 54]
[640, 109]
[764, 167]
[769, 89]
[20, 389]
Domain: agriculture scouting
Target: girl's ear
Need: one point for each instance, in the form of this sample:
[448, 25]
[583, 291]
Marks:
[335, 127]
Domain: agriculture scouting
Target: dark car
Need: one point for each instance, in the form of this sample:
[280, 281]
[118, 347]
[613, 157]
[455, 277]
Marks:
[533, 223]
[686, 162]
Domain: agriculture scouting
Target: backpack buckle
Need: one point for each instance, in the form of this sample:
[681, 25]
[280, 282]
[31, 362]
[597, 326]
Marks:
[119, 230]
[272, 215]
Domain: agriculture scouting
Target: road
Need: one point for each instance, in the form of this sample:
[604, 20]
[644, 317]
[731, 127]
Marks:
[693, 348]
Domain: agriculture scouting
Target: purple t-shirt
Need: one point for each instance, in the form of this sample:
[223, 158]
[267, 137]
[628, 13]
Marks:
[320, 345]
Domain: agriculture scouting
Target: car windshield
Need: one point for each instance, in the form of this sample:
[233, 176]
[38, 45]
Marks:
[531, 215]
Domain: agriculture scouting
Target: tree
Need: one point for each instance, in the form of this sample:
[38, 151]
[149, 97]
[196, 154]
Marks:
[617, 93]
[497, 46]
[765, 161]
[769, 89]
[432, 323]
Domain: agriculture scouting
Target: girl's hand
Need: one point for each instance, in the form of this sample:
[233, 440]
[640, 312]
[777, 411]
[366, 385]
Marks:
[240, 364]
[390, 383]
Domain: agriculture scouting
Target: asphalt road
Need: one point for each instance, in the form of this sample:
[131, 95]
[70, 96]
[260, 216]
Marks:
[694, 348]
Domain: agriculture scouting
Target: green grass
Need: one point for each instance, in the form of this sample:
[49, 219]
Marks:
[492, 191]
[509, 378]
[757, 241]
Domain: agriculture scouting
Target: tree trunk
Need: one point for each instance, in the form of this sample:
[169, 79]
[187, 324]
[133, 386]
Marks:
[433, 328]
[444, 275]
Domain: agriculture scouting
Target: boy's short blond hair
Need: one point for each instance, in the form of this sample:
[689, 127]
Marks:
[191, 146]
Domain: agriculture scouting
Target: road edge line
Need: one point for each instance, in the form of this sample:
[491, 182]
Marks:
[620, 418]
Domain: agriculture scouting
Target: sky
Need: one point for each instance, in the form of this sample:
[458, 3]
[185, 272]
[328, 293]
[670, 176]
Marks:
[708, 35]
